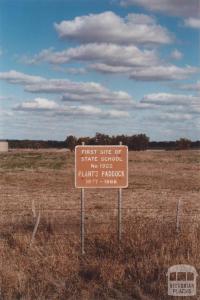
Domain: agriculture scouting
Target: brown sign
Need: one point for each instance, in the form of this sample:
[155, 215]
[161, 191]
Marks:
[101, 166]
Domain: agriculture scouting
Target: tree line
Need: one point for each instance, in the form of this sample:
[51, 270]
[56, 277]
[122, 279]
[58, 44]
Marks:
[134, 142]
[137, 142]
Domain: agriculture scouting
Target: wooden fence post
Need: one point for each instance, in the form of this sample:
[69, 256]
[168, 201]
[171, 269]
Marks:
[178, 207]
[35, 229]
[33, 208]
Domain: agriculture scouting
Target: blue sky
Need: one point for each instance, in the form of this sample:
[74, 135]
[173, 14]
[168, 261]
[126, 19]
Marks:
[110, 66]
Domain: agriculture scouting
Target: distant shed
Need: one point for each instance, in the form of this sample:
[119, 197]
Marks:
[3, 146]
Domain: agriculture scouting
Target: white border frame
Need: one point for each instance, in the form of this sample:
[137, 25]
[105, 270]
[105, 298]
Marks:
[102, 187]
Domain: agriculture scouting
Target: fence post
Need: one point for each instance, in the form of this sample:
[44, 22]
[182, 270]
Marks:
[33, 208]
[119, 212]
[83, 218]
[178, 216]
[35, 229]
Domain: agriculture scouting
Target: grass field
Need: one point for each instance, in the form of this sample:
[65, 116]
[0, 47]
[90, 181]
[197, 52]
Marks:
[52, 268]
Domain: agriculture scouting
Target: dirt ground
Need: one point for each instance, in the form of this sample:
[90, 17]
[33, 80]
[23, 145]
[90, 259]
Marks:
[135, 269]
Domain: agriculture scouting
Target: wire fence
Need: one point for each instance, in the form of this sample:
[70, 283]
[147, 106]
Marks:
[67, 220]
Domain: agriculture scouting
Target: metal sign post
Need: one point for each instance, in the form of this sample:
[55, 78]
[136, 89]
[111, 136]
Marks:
[83, 218]
[119, 214]
[82, 221]
[101, 166]
[119, 211]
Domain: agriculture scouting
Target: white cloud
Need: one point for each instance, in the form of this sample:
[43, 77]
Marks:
[176, 54]
[167, 99]
[19, 78]
[51, 108]
[70, 70]
[117, 113]
[110, 54]
[163, 73]
[174, 117]
[172, 108]
[169, 7]
[104, 68]
[110, 58]
[108, 27]
[37, 104]
[105, 97]
[185, 105]
[91, 111]
[192, 23]
[78, 91]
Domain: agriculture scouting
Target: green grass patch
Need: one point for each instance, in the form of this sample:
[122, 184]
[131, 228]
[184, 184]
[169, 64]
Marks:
[22, 161]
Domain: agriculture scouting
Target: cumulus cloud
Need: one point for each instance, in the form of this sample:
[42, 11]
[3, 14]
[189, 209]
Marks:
[79, 91]
[174, 117]
[169, 7]
[108, 69]
[70, 70]
[192, 23]
[106, 97]
[108, 27]
[173, 103]
[176, 54]
[113, 55]
[91, 111]
[37, 104]
[166, 107]
[110, 58]
[46, 106]
[163, 73]
[170, 99]
[19, 78]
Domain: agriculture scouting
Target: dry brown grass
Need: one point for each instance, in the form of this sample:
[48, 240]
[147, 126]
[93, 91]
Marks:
[136, 269]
